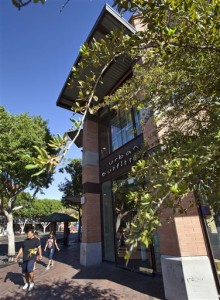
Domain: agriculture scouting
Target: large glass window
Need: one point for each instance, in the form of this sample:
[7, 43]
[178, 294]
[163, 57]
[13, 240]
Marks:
[108, 228]
[122, 128]
[117, 128]
[104, 124]
[142, 258]
[137, 119]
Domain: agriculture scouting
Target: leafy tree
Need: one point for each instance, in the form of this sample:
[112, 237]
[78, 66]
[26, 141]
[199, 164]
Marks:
[179, 84]
[46, 207]
[22, 3]
[20, 136]
[178, 81]
[23, 215]
[177, 78]
[72, 187]
[123, 208]
[34, 210]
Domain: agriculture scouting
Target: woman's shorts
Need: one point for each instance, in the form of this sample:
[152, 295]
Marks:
[28, 266]
[50, 253]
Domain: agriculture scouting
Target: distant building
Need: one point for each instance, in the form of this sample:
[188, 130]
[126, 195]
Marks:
[186, 252]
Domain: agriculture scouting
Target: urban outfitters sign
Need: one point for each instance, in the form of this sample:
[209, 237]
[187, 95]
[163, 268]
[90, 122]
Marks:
[121, 160]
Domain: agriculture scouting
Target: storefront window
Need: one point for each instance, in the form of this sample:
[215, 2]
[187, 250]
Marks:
[212, 221]
[117, 128]
[157, 253]
[141, 258]
[122, 128]
[108, 228]
[137, 119]
[104, 133]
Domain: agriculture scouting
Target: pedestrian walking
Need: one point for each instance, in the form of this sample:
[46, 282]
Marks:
[50, 246]
[30, 247]
[37, 257]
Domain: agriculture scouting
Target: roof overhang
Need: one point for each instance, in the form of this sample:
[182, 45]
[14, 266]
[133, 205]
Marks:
[106, 22]
[79, 140]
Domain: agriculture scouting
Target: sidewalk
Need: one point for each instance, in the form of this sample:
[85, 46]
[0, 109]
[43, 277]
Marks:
[69, 280]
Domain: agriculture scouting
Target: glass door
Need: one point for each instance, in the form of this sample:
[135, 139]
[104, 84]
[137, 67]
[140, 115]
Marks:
[141, 259]
[108, 224]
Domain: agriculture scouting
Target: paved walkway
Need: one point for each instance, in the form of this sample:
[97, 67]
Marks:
[69, 280]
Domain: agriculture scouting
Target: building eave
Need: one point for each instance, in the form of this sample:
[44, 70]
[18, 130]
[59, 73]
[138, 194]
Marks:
[107, 20]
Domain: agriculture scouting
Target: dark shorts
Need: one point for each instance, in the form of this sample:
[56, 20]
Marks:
[28, 266]
[50, 253]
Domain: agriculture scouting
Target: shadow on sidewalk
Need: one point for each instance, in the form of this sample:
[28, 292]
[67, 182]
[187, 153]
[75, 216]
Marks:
[139, 282]
[16, 278]
[65, 290]
[105, 271]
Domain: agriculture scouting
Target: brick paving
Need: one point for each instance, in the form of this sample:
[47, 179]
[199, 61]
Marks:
[69, 280]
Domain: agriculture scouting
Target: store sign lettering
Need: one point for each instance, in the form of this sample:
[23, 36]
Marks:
[122, 160]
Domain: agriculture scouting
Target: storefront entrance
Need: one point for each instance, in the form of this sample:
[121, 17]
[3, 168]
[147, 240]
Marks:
[117, 216]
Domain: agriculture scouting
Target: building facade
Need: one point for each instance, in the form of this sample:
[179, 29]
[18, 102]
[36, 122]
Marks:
[186, 251]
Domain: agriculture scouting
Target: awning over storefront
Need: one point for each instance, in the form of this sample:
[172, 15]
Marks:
[58, 217]
[106, 22]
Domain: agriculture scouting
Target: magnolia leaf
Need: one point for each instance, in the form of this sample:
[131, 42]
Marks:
[39, 173]
[30, 167]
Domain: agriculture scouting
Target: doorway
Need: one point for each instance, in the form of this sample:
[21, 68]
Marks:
[142, 259]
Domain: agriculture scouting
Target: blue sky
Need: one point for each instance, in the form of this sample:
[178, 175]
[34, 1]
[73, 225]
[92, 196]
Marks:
[38, 46]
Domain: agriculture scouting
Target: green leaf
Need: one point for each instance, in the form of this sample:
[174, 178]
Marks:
[30, 167]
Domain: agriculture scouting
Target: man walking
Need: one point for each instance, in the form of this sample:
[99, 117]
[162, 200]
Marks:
[30, 247]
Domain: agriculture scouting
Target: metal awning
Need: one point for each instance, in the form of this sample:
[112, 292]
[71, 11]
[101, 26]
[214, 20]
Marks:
[106, 22]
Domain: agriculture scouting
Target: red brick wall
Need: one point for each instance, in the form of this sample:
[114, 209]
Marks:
[90, 174]
[183, 236]
[91, 218]
[150, 133]
[90, 136]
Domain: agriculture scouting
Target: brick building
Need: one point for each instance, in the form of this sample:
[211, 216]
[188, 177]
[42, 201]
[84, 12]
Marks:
[186, 252]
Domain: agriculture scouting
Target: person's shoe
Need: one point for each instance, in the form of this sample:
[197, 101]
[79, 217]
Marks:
[47, 267]
[31, 286]
[25, 287]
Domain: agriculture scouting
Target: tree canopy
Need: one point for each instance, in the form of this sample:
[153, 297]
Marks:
[19, 134]
[22, 3]
[176, 78]
[37, 208]
[21, 137]
[72, 186]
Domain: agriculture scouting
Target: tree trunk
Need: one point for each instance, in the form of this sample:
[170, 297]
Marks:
[44, 224]
[11, 236]
[22, 227]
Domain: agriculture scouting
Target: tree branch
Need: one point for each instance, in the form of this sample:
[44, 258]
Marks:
[17, 208]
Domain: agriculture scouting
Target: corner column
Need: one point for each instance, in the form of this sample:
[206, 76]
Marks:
[186, 268]
[90, 248]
